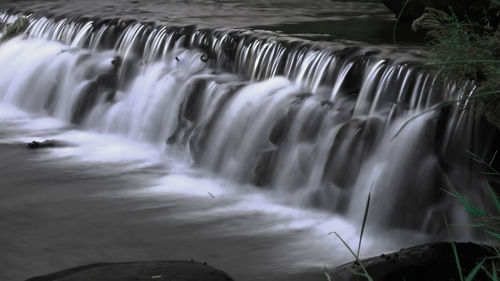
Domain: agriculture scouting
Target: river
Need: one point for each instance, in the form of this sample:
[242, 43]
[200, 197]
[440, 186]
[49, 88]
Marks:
[244, 141]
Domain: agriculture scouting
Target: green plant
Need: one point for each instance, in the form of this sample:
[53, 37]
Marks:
[364, 272]
[485, 220]
[397, 21]
[464, 50]
[459, 49]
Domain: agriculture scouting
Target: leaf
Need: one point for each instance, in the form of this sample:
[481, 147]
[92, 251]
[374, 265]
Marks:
[356, 256]
[495, 198]
[494, 271]
[494, 234]
[474, 271]
[473, 211]
[493, 158]
[397, 21]
[365, 216]
[455, 252]
[411, 119]
[347, 246]
[468, 225]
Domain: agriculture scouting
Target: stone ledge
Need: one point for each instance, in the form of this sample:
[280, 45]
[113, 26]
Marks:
[139, 271]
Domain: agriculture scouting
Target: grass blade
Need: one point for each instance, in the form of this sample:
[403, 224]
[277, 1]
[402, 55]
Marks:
[494, 234]
[493, 158]
[397, 21]
[445, 104]
[495, 198]
[455, 252]
[473, 211]
[474, 271]
[411, 119]
[365, 272]
[347, 246]
[365, 216]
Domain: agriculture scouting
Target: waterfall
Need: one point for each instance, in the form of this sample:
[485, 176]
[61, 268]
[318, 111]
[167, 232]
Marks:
[321, 124]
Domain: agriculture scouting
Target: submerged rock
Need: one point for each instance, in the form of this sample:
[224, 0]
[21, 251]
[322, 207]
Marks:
[139, 271]
[433, 261]
[46, 144]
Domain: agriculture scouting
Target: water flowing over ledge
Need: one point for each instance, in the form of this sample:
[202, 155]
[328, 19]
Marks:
[313, 121]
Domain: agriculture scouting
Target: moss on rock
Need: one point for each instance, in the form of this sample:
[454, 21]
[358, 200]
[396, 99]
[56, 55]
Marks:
[15, 28]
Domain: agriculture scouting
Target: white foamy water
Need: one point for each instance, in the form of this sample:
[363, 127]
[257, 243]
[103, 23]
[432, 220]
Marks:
[212, 208]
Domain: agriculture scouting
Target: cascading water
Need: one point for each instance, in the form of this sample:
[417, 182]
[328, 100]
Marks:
[320, 124]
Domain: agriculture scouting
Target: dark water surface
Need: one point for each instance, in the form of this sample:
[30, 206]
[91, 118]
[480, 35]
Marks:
[55, 215]
[366, 21]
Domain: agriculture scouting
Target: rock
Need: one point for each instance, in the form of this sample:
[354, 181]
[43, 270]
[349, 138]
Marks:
[263, 171]
[46, 144]
[433, 261]
[480, 11]
[16, 28]
[433, 22]
[139, 271]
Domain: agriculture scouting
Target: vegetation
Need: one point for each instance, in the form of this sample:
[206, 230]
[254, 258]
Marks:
[364, 273]
[487, 221]
[462, 50]
[465, 50]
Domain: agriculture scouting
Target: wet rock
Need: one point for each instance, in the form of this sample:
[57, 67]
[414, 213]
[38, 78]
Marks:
[85, 103]
[46, 144]
[102, 84]
[279, 131]
[117, 61]
[139, 271]
[191, 106]
[352, 144]
[433, 261]
[264, 170]
[15, 28]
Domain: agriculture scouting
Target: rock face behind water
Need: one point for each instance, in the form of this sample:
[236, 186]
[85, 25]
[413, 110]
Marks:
[434, 261]
[139, 271]
[473, 10]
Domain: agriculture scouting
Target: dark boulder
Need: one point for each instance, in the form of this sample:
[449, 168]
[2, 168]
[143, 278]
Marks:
[139, 271]
[433, 261]
[46, 144]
